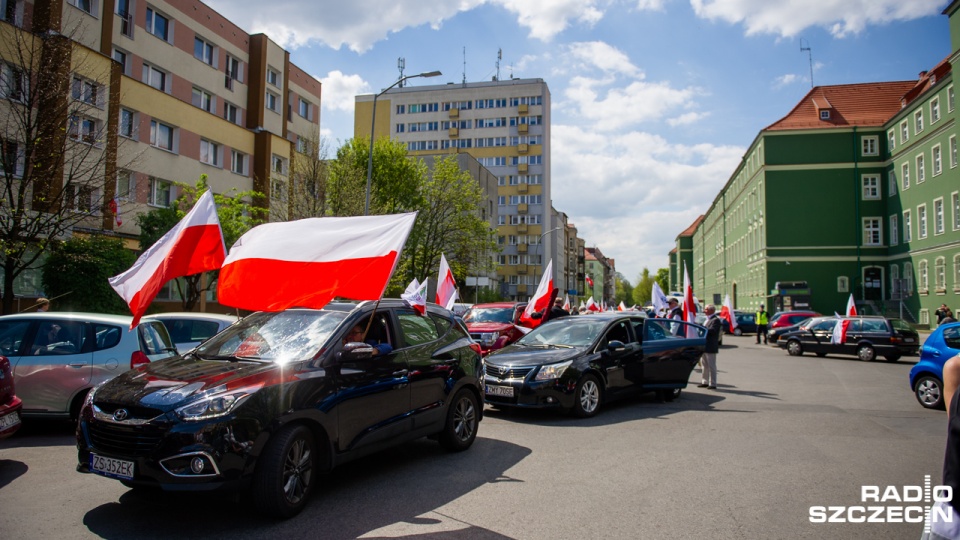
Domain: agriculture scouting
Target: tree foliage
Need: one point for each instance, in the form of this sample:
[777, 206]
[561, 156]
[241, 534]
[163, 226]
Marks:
[77, 271]
[309, 178]
[624, 291]
[643, 291]
[663, 279]
[395, 179]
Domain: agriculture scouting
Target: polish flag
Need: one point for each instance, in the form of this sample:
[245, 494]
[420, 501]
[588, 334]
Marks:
[416, 296]
[566, 302]
[726, 312]
[195, 245]
[689, 307]
[592, 305]
[589, 281]
[851, 307]
[541, 301]
[308, 262]
[839, 336]
[446, 285]
[621, 307]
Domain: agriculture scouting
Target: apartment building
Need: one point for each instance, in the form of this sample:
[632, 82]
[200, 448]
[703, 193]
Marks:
[505, 125]
[176, 91]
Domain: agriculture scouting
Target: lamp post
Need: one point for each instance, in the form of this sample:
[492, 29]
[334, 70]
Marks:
[373, 123]
[540, 243]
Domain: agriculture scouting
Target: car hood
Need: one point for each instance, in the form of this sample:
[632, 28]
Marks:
[169, 383]
[483, 327]
[518, 355]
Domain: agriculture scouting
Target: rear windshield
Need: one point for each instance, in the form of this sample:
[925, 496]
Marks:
[494, 315]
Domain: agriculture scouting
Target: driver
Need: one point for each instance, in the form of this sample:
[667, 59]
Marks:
[355, 335]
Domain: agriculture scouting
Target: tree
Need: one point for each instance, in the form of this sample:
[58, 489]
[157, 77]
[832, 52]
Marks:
[77, 271]
[624, 290]
[57, 156]
[236, 217]
[642, 292]
[395, 182]
[663, 279]
[309, 174]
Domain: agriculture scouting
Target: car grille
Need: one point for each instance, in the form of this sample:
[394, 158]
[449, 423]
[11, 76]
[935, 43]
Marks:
[125, 440]
[140, 413]
[507, 372]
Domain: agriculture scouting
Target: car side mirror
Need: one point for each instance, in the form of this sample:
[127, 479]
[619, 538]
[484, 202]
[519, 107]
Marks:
[355, 351]
[616, 346]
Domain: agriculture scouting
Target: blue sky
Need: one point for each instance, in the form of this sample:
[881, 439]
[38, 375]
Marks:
[654, 101]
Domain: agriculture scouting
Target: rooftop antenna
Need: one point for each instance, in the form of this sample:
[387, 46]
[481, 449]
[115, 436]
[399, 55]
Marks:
[809, 56]
[499, 58]
[401, 65]
[464, 66]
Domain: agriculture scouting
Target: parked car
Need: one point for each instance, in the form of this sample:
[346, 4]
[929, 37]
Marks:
[926, 377]
[867, 337]
[10, 404]
[746, 323]
[187, 329]
[57, 357]
[782, 319]
[494, 325]
[576, 364]
[278, 397]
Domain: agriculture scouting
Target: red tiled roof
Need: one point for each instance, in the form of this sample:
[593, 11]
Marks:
[867, 104]
[927, 79]
[693, 227]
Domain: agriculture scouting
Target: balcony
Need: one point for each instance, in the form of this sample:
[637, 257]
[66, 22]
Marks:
[522, 208]
[523, 188]
[522, 168]
[521, 269]
[523, 108]
[523, 128]
[522, 228]
[454, 113]
[521, 248]
[454, 132]
[522, 288]
[522, 148]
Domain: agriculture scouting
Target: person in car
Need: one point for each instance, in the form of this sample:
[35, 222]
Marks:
[45, 339]
[355, 335]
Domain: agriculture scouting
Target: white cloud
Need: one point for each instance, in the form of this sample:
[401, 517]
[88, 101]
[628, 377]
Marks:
[600, 55]
[340, 90]
[787, 18]
[547, 18]
[786, 80]
[613, 108]
[686, 119]
[651, 5]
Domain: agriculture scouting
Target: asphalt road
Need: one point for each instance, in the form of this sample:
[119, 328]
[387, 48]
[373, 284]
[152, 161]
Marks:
[780, 435]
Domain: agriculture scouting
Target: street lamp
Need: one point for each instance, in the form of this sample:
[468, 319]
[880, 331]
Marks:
[540, 243]
[373, 123]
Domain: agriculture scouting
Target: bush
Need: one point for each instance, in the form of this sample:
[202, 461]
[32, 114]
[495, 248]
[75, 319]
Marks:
[77, 271]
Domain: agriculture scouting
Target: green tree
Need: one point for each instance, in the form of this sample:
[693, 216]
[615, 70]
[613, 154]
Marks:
[624, 290]
[641, 294]
[395, 182]
[663, 279]
[309, 172]
[77, 271]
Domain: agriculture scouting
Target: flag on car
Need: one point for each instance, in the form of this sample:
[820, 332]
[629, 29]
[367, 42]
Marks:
[658, 299]
[566, 302]
[541, 301]
[726, 312]
[416, 295]
[194, 245]
[839, 336]
[689, 305]
[592, 305]
[851, 307]
[446, 285]
[621, 307]
[308, 262]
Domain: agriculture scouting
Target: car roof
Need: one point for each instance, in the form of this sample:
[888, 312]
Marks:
[498, 304]
[194, 316]
[350, 307]
[72, 315]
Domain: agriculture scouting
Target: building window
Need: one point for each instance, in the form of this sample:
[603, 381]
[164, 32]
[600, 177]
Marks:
[126, 17]
[955, 198]
[11, 160]
[83, 129]
[278, 165]
[204, 100]
[871, 186]
[953, 151]
[209, 152]
[921, 172]
[304, 109]
[80, 198]
[891, 183]
[272, 101]
[956, 273]
[894, 281]
[159, 194]
[843, 284]
[162, 135]
[13, 82]
[904, 132]
[231, 113]
[891, 141]
[908, 277]
[872, 232]
[869, 146]
[128, 123]
[918, 121]
[85, 91]
[922, 221]
[273, 77]
[204, 51]
[894, 231]
[125, 187]
[934, 110]
[940, 274]
[951, 99]
[923, 277]
[234, 71]
[907, 227]
[87, 6]
[924, 316]
[937, 161]
[938, 219]
[9, 11]
[905, 176]
[238, 162]
[158, 25]
[155, 77]
[122, 59]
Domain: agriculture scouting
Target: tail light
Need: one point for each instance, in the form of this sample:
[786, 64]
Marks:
[895, 339]
[476, 348]
[138, 359]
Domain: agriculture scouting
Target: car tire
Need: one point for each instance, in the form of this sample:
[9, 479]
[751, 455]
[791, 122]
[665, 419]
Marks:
[587, 397]
[460, 429]
[737, 332]
[669, 394]
[283, 479]
[794, 348]
[892, 357]
[821, 354]
[866, 353]
[929, 392]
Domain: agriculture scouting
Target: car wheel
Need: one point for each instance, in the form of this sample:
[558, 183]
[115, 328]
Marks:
[283, 480]
[737, 332]
[669, 394]
[892, 357]
[929, 392]
[794, 348]
[866, 353]
[821, 354]
[586, 401]
[460, 429]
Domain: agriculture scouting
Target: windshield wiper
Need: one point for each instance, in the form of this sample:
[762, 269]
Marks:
[561, 346]
[216, 357]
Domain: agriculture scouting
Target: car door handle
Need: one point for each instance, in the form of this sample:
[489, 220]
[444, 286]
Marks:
[400, 374]
[77, 365]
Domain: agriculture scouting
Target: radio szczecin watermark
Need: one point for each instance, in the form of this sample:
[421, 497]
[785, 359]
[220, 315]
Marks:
[891, 504]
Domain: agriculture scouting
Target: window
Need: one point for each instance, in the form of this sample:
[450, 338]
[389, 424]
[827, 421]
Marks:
[80, 198]
[921, 173]
[937, 161]
[951, 99]
[9, 12]
[238, 162]
[158, 25]
[907, 227]
[162, 135]
[273, 77]
[934, 110]
[13, 82]
[894, 281]
[922, 221]
[272, 101]
[940, 274]
[904, 132]
[304, 109]
[905, 176]
[872, 233]
[908, 277]
[953, 151]
[83, 129]
[923, 277]
[123, 60]
[204, 51]
[891, 183]
[918, 121]
[128, 123]
[871, 186]
[87, 6]
[125, 188]
[894, 231]
[231, 113]
[869, 146]
[126, 17]
[843, 284]
[416, 330]
[209, 152]
[203, 99]
[234, 71]
[938, 220]
[956, 272]
[159, 194]
[891, 141]
[825, 114]
[155, 77]
[11, 160]
[955, 198]
[278, 165]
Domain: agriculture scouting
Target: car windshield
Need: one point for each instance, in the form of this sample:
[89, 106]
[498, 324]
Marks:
[287, 336]
[494, 315]
[577, 333]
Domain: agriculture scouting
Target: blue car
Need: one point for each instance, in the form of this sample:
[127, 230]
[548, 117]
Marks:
[926, 378]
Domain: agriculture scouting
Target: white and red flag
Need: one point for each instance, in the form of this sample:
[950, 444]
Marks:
[541, 301]
[689, 305]
[726, 312]
[446, 285]
[308, 262]
[582, 305]
[658, 299]
[416, 296]
[194, 245]
[566, 302]
[851, 307]
[590, 281]
[839, 336]
[592, 305]
[621, 307]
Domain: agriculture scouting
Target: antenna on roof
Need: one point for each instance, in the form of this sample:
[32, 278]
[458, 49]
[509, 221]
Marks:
[401, 65]
[809, 56]
[464, 66]
[499, 58]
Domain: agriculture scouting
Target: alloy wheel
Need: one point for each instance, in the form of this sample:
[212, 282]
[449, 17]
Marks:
[589, 396]
[297, 469]
[464, 419]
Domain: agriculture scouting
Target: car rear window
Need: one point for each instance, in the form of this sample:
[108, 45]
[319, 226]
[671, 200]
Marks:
[11, 336]
[874, 325]
[108, 336]
[417, 330]
[184, 330]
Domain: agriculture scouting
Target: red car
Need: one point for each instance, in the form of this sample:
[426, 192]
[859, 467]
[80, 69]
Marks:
[494, 325]
[10, 404]
[783, 319]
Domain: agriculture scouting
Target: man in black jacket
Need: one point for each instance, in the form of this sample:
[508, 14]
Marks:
[708, 378]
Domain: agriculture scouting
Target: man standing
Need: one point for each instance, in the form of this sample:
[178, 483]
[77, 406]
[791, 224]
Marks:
[708, 377]
[674, 311]
[762, 325]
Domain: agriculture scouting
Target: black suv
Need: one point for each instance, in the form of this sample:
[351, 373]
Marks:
[279, 396]
[867, 337]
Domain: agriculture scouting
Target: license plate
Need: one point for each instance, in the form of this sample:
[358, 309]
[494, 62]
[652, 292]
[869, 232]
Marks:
[114, 468]
[9, 420]
[505, 391]
[908, 340]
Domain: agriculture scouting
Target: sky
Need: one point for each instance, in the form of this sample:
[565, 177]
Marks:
[654, 102]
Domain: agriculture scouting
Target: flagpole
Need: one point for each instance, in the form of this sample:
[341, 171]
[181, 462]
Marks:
[370, 320]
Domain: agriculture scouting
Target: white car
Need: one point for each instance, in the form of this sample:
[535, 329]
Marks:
[188, 329]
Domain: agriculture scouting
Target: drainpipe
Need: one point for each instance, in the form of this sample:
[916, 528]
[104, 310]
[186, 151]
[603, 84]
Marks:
[859, 226]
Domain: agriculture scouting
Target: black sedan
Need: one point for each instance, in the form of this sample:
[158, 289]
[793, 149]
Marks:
[575, 364]
[865, 337]
[277, 397]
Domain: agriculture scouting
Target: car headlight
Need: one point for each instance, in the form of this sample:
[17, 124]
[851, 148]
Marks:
[552, 371]
[216, 405]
